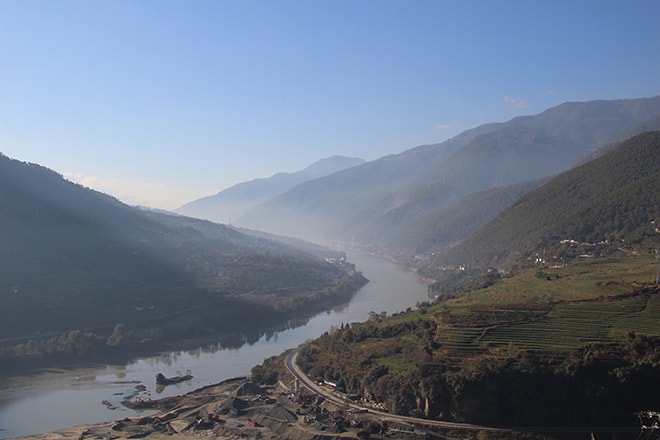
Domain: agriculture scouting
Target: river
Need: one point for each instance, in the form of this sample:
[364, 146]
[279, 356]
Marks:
[56, 399]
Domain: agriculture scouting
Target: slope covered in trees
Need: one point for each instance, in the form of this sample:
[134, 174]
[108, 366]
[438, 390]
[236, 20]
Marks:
[75, 260]
[445, 227]
[610, 200]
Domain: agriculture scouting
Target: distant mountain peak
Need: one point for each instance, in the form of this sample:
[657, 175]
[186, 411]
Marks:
[398, 199]
[233, 202]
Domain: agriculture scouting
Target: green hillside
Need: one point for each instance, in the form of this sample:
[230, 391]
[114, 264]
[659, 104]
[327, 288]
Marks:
[611, 202]
[577, 345]
[445, 227]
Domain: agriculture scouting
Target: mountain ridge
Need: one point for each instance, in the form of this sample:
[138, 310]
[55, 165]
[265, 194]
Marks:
[232, 202]
[611, 198]
[373, 204]
[74, 259]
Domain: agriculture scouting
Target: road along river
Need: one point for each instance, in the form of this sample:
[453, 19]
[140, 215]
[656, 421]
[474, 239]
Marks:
[290, 362]
[56, 399]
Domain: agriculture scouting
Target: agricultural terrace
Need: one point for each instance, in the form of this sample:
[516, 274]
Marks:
[556, 309]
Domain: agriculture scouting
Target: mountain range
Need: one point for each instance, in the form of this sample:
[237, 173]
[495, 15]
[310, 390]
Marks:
[570, 337]
[577, 179]
[238, 199]
[611, 201]
[73, 258]
[401, 204]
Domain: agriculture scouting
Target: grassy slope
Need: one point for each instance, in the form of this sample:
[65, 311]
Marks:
[564, 308]
[554, 309]
[543, 332]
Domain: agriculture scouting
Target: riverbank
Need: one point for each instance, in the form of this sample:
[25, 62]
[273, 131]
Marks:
[238, 408]
[78, 393]
[235, 408]
[231, 322]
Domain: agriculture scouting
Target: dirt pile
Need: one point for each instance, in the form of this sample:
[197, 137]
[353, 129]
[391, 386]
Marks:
[234, 409]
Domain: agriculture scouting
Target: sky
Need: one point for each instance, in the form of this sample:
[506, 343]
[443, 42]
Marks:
[160, 102]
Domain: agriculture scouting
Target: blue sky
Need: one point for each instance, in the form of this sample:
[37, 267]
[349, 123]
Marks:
[159, 102]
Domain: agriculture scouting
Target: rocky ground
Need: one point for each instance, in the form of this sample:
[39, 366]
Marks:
[234, 409]
[240, 409]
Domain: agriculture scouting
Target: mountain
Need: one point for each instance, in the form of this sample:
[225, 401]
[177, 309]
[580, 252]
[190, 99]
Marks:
[379, 203]
[613, 200]
[569, 338]
[235, 201]
[447, 226]
[72, 258]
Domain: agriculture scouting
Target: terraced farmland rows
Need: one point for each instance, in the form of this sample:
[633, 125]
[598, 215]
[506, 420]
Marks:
[459, 340]
[572, 325]
[645, 321]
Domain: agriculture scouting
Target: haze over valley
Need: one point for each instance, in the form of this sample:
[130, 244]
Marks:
[395, 204]
[70, 253]
[444, 218]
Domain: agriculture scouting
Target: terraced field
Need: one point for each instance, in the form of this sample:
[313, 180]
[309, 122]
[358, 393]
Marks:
[459, 340]
[558, 309]
[564, 346]
[645, 321]
[568, 326]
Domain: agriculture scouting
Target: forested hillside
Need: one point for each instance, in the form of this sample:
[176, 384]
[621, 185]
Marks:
[448, 226]
[613, 201]
[72, 259]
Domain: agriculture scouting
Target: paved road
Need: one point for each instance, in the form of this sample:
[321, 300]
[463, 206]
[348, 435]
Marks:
[291, 365]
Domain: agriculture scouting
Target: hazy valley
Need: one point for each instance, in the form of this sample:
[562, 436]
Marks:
[86, 277]
[538, 238]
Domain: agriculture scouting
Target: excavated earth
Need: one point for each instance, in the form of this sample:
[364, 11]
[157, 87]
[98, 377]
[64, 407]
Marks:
[233, 409]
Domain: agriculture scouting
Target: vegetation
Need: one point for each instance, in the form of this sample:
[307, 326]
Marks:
[566, 335]
[268, 372]
[605, 204]
[443, 228]
[210, 321]
[577, 345]
[85, 277]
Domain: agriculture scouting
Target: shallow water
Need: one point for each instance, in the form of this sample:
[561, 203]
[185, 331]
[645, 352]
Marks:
[57, 399]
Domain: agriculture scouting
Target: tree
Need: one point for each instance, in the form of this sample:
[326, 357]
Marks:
[81, 344]
[266, 373]
[119, 335]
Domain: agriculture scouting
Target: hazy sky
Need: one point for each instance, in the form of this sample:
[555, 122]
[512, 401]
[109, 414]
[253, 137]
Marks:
[159, 102]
